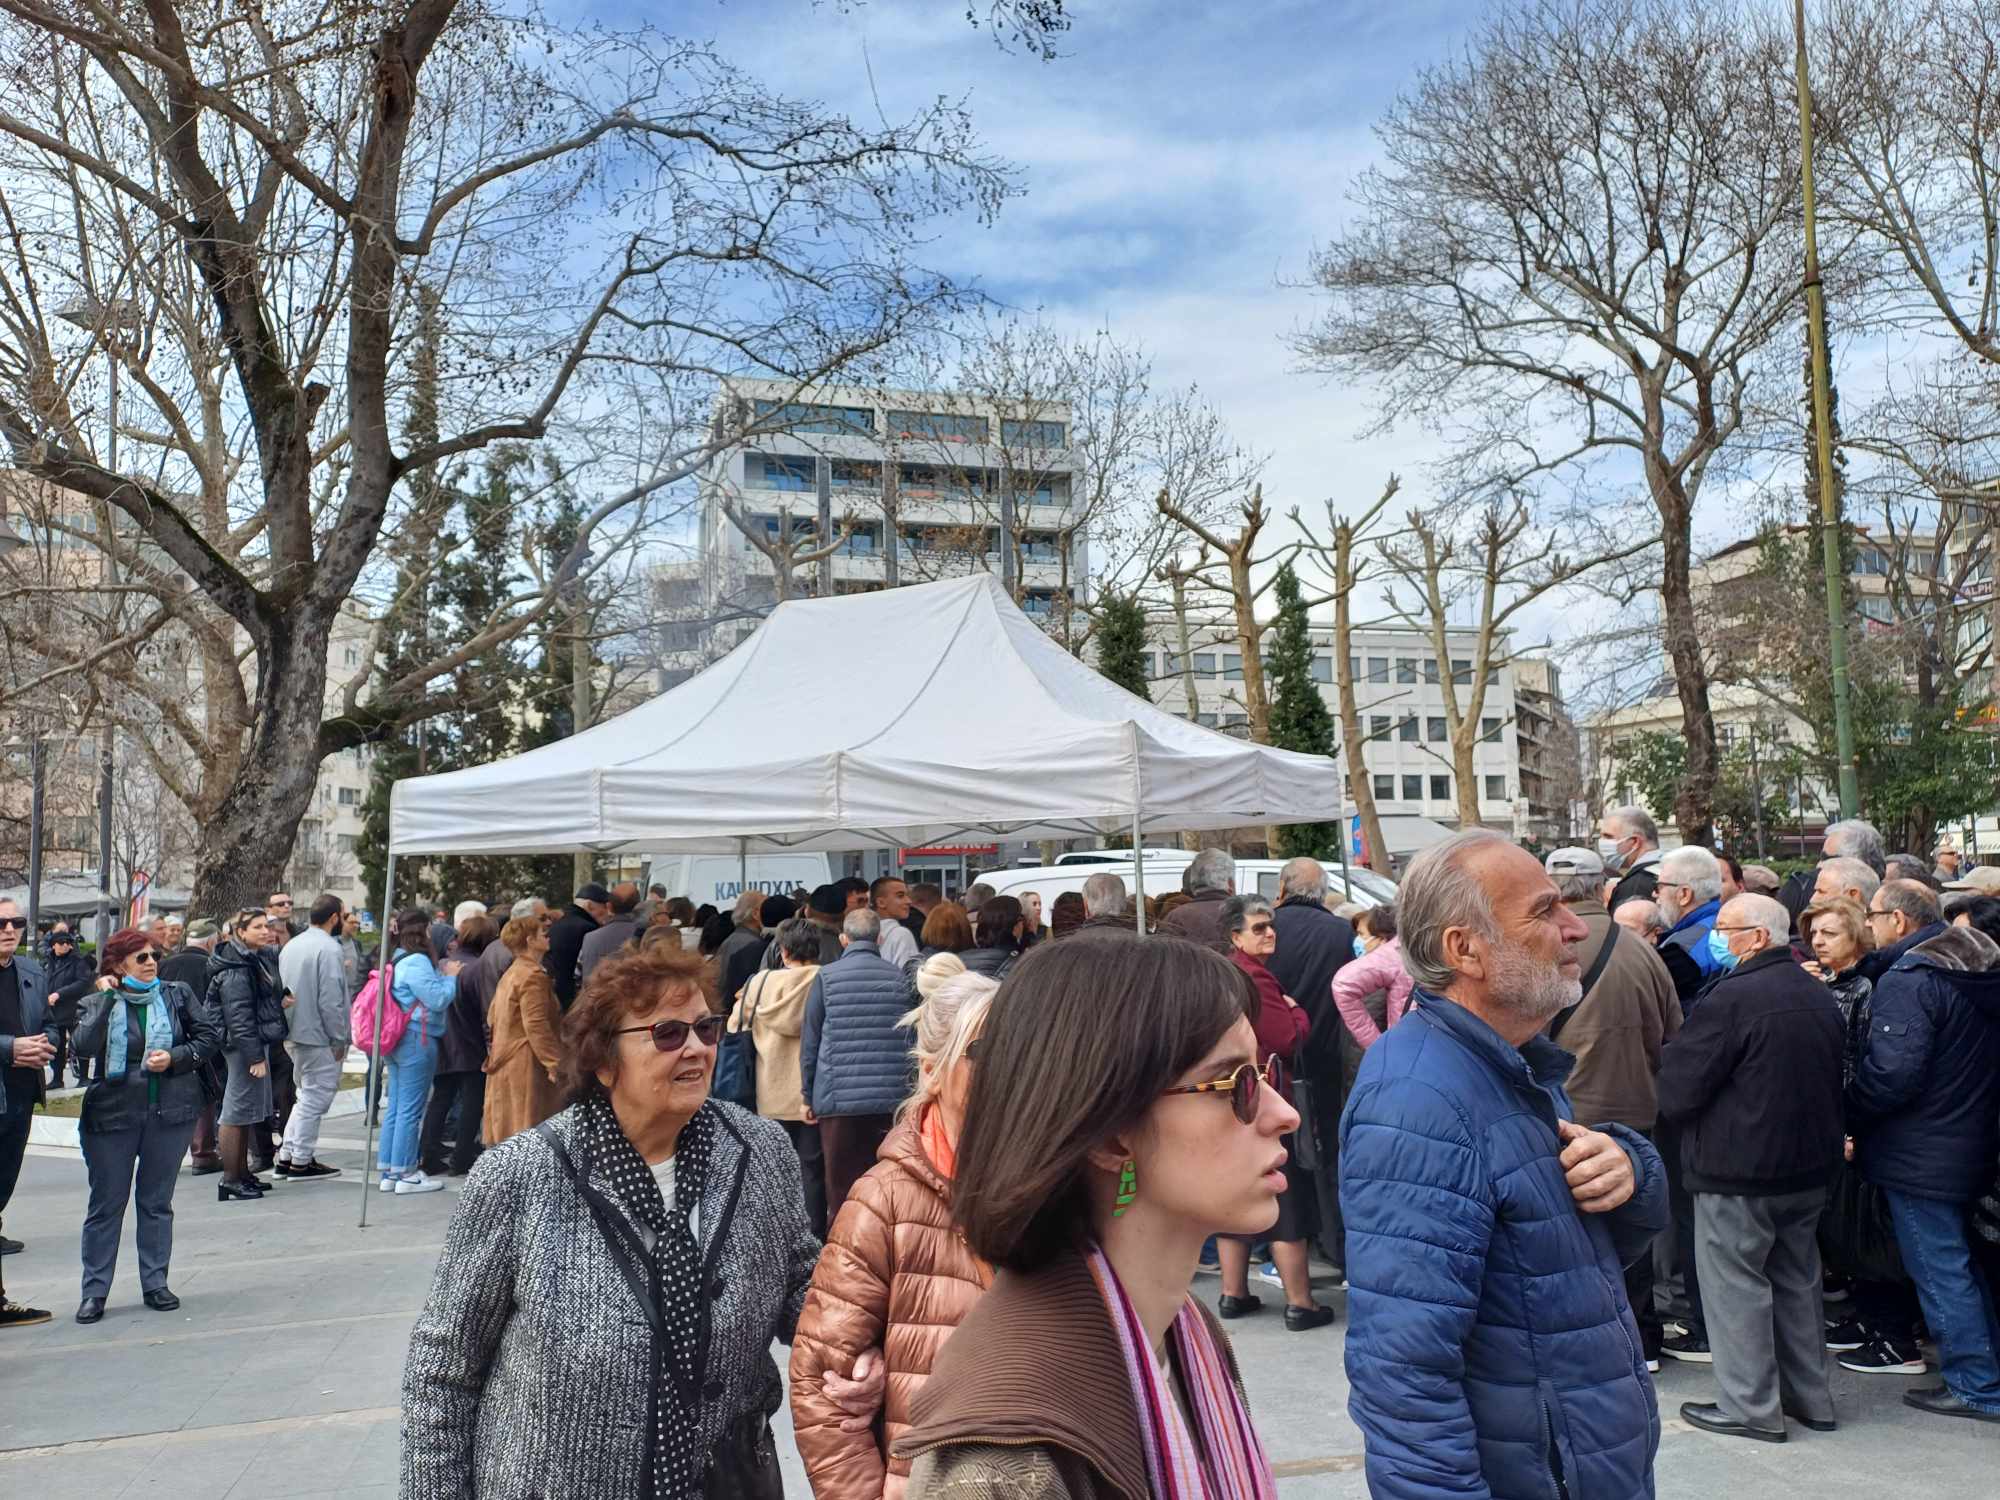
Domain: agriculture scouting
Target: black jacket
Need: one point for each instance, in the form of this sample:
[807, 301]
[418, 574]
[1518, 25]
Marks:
[243, 994]
[565, 947]
[125, 1102]
[67, 969]
[1753, 1082]
[1684, 971]
[1312, 945]
[1641, 884]
[189, 967]
[1924, 1106]
[1874, 965]
[995, 963]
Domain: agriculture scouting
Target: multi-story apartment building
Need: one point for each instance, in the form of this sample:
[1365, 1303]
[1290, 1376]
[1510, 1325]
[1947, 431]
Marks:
[324, 855]
[911, 486]
[1399, 696]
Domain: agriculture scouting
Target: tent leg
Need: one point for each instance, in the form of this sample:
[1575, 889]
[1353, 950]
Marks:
[742, 865]
[368, 1089]
[1138, 874]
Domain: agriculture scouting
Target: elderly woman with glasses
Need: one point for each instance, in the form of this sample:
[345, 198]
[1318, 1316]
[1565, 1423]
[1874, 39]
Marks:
[1281, 1025]
[601, 1318]
[147, 1036]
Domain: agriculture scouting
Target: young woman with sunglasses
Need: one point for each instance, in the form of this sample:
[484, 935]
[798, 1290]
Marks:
[601, 1318]
[147, 1036]
[1117, 1117]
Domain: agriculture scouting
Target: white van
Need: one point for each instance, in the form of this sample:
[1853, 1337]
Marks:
[1163, 876]
[718, 879]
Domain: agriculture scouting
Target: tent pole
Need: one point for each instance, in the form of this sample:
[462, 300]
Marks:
[1138, 874]
[381, 959]
[742, 864]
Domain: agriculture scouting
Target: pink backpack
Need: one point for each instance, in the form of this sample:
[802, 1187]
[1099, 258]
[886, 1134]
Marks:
[361, 1016]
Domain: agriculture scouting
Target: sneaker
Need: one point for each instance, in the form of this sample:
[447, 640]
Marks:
[13, 1315]
[419, 1182]
[389, 1181]
[10, 1247]
[1838, 1289]
[1882, 1357]
[1268, 1273]
[1652, 1365]
[1688, 1348]
[312, 1171]
[1849, 1333]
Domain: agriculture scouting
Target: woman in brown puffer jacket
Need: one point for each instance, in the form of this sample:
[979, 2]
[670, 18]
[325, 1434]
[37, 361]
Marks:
[895, 1276]
[524, 1026]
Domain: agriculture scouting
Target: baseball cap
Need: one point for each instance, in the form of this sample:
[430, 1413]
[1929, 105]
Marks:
[201, 929]
[1984, 879]
[1574, 861]
[592, 891]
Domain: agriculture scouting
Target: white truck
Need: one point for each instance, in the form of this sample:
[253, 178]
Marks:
[718, 879]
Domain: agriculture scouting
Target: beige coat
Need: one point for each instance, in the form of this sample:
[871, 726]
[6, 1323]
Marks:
[775, 1001]
[521, 1059]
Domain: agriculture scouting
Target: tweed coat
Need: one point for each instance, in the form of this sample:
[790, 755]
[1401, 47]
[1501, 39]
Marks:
[528, 1367]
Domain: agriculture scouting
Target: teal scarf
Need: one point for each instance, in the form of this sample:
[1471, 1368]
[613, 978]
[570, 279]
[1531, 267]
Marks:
[155, 1018]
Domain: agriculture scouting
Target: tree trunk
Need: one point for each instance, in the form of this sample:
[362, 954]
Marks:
[1249, 640]
[1462, 772]
[1350, 719]
[1694, 804]
[246, 840]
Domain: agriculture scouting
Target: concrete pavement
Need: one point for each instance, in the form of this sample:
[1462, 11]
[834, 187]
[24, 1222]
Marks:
[279, 1374]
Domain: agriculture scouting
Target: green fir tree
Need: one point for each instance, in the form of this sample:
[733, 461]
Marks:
[1300, 719]
[1121, 643]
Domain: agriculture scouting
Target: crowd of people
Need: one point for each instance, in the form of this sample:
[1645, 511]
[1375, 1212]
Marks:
[1546, 1121]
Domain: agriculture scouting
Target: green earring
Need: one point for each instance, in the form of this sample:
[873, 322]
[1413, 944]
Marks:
[1128, 1189]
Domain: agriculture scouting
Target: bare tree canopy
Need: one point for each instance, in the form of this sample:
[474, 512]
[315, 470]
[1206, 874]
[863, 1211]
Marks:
[1582, 244]
[247, 212]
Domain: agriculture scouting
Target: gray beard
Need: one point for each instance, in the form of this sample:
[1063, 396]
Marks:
[1531, 989]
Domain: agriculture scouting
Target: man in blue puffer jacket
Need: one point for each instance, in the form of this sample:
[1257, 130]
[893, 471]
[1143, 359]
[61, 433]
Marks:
[1491, 1351]
[854, 1055]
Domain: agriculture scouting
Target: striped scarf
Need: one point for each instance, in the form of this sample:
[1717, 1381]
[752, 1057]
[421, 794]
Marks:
[1220, 1458]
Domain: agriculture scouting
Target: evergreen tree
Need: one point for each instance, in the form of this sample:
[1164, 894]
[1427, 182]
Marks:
[1121, 643]
[1300, 719]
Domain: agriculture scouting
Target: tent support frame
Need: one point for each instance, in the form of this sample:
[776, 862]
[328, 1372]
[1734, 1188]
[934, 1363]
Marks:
[371, 1087]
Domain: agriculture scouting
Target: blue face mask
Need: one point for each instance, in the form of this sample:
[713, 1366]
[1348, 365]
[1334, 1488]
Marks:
[1718, 949]
[1360, 947]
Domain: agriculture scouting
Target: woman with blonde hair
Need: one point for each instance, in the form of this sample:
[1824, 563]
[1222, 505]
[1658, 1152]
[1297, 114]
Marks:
[525, 1024]
[895, 1276]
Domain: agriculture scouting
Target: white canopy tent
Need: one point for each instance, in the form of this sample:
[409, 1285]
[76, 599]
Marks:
[897, 718]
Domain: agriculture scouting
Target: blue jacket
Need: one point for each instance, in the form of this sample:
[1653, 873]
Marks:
[1489, 1342]
[1690, 935]
[854, 1056]
[1924, 1105]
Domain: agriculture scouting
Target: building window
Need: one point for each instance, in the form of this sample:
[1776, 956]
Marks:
[943, 426]
[1407, 730]
[347, 843]
[1206, 721]
[1434, 729]
[772, 472]
[352, 656]
[1322, 667]
[1031, 434]
[1461, 671]
[1385, 788]
[1406, 669]
[1496, 789]
[799, 416]
[1413, 788]
[1873, 607]
[1378, 726]
[1146, 664]
[1235, 721]
[1440, 789]
[1353, 669]
[1871, 560]
[1204, 664]
[1431, 670]
[852, 474]
[350, 796]
[1489, 731]
[1378, 669]
[1232, 666]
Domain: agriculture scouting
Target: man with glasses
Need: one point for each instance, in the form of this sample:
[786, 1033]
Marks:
[278, 915]
[67, 967]
[27, 1046]
[1753, 1083]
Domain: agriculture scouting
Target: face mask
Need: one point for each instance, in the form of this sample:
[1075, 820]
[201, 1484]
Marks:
[1360, 947]
[1607, 850]
[1718, 949]
[139, 986]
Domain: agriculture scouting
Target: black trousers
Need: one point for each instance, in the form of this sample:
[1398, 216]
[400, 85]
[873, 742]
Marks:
[64, 1039]
[1639, 1292]
[812, 1170]
[265, 1134]
[1682, 1203]
[468, 1092]
[17, 1113]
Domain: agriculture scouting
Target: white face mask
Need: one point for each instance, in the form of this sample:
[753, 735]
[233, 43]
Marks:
[1607, 850]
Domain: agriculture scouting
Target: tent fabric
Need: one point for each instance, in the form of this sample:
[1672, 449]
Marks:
[901, 717]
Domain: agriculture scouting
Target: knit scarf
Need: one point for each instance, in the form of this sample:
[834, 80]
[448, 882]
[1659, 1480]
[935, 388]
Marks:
[1220, 1457]
[679, 1460]
[144, 1003]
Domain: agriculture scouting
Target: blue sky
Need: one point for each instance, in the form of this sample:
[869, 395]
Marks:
[1179, 162]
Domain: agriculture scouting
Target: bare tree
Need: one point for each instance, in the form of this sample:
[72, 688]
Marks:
[1583, 242]
[235, 211]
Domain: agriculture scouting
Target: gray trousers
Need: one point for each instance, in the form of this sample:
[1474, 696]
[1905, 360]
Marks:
[1758, 1259]
[110, 1158]
[318, 1078]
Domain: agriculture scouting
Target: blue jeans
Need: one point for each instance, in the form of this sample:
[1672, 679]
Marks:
[411, 1068]
[1957, 1303]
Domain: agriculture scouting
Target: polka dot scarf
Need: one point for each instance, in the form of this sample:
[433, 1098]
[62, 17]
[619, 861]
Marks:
[679, 1461]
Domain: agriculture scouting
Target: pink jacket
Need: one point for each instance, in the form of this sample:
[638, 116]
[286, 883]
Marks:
[1381, 970]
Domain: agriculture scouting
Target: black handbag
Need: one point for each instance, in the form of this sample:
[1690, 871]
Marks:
[1308, 1152]
[1856, 1234]
[735, 1080]
[743, 1464]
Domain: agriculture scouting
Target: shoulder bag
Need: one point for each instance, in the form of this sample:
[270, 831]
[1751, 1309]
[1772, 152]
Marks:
[1590, 976]
[735, 1079]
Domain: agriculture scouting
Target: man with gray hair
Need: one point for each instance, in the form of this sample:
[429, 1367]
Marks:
[1690, 894]
[1850, 878]
[1107, 903]
[1465, 1182]
[1628, 843]
[1849, 839]
[1209, 881]
[1753, 1085]
[748, 933]
[854, 1053]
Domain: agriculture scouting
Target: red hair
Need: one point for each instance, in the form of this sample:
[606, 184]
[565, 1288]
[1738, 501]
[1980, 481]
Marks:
[120, 946]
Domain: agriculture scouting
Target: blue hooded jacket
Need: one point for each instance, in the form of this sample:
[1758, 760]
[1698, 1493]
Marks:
[1490, 1343]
